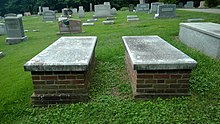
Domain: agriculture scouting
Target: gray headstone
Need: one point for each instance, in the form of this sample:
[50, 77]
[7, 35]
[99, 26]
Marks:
[81, 12]
[90, 7]
[39, 10]
[2, 29]
[65, 12]
[180, 5]
[202, 4]
[166, 11]
[142, 8]
[113, 11]
[49, 15]
[74, 10]
[88, 24]
[10, 15]
[110, 22]
[102, 11]
[132, 19]
[189, 4]
[65, 54]
[154, 53]
[154, 7]
[195, 20]
[91, 20]
[15, 30]
[45, 9]
[203, 36]
[131, 7]
[142, 1]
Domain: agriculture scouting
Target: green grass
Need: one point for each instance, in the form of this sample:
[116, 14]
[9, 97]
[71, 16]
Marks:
[111, 96]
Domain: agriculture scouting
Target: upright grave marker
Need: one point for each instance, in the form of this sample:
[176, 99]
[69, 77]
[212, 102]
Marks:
[142, 7]
[81, 12]
[15, 30]
[70, 26]
[154, 7]
[102, 11]
[156, 68]
[166, 11]
[61, 72]
[2, 29]
[189, 4]
[49, 15]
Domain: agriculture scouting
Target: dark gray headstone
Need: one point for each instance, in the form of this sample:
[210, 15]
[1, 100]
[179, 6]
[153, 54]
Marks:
[142, 8]
[166, 11]
[15, 30]
[154, 7]
[131, 7]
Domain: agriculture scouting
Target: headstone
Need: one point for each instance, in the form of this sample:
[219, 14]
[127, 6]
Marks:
[108, 3]
[203, 36]
[110, 18]
[10, 15]
[90, 7]
[1, 19]
[15, 30]
[202, 4]
[65, 12]
[180, 5]
[49, 15]
[45, 9]
[142, 8]
[102, 11]
[70, 26]
[88, 24]
[132, 19]
[131, 16]
[156, 68]
[195, 20]
[2, 29]
[74, 11]
[142, 1]
[70, 62]
[189, 4]
[40, 10]
[91, 20]
[81, 12]
[113, 11]
[154, 7]
[27, 14]
[131, 7]
[19, 15]
[110, 22]
[1, 54]
[166, 11]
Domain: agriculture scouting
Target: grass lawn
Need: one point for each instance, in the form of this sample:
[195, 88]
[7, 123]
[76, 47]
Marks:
[111, 96]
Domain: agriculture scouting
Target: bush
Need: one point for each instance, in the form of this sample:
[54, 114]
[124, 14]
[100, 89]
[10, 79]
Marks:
[212, 3]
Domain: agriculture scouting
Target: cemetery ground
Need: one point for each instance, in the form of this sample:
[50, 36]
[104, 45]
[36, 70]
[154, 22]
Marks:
[110, 91]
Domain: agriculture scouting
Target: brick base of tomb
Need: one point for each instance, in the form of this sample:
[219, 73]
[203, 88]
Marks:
[61, 87]
[148, 84]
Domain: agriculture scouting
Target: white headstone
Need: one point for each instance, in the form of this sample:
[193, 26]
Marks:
[45, 9]
[90, 7]
[81, 12]
[102, 11]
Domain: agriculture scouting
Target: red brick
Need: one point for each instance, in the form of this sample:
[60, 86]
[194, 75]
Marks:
[176, 76]
[49, 82]
[183, 81]
[165, 76]
[170, 81]
[170, 91]
[80, 76]
[48, 77]
[185, 86]
[71, 77]
[184, 71]
[184, 90]
[144, 86]
[145, 76]
[150, 81]
[150, 90]
[160, 81]
[78, 81]
[37, 86]
[61, 77]
[63, 82]
[140, 90]
[175, 85]
[186, 76]
[35, 77]
[160, 86]
[160, 90]
[38, 82]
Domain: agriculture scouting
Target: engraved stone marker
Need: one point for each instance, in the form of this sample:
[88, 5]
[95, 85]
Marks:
[166, 11]
[81, 12]
[2, 29]
[70, 26]
[102, 11]
[49, 15]
[154, 7]
[189, 4]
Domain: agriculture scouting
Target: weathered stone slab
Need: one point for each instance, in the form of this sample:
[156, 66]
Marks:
[195, 20]
[66, 54]
[102, 11]
[61, 72]
[203, 36]
[2, 29]
[156, 68]
[109, 22]
[131, 16]
[91, 20]
[154, 7]
[189, 4]
[166, 11]
[15, 30]
[132, 19]
[49, 15]
[88, 24]
[142, 7]
[153, 53]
